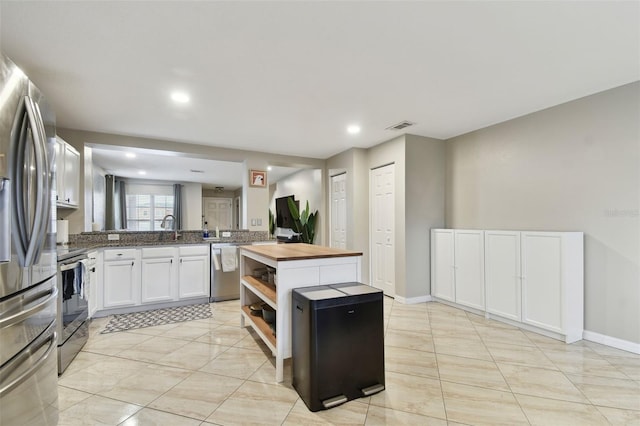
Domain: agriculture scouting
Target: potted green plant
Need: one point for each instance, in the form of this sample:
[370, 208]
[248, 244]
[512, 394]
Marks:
[304, 222]
[272, 224]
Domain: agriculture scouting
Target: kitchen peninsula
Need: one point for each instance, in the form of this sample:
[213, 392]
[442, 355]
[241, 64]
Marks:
[295, 265]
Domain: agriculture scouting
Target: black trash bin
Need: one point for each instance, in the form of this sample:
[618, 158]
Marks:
[337, 343]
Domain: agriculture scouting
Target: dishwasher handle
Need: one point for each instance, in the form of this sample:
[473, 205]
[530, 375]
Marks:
[215, 256]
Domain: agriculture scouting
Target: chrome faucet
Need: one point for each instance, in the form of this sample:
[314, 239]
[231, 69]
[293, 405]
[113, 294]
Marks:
[163, 224]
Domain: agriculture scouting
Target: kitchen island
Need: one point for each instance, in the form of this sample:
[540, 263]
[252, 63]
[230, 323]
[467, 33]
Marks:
[295, 265]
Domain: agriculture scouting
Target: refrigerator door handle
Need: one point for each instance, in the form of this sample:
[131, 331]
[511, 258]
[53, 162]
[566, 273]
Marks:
[43, 209]
[5, 220]
[18, 190]
[52, 294]
[34, 347]
[33, 248]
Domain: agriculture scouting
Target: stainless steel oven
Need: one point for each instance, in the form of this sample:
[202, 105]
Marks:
[73, 306]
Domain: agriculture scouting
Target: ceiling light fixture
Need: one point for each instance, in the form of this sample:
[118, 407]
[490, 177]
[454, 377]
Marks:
[180, 97]
[130, 155]
[353, 129]
[142, 172]
[269, 168]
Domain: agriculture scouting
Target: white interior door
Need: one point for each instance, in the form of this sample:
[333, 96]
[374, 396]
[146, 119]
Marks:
[217, 212]
[339, 211]
[382, 229]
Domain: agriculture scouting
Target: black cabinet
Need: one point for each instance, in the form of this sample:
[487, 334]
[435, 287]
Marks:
[337, 343]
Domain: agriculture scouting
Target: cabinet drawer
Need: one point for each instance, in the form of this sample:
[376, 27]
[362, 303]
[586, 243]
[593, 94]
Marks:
[120, 254]
[194, 250]
[158, 252]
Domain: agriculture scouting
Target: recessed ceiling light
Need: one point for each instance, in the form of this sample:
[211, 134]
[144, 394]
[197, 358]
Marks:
[142, 172]
[353, 129]
[269, 168]
[180, 97]
[130, 155]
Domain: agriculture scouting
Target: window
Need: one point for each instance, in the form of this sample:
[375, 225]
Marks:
[145, 211]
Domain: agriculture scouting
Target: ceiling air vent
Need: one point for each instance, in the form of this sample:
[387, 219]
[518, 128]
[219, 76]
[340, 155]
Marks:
[401, 125]
[196, 171]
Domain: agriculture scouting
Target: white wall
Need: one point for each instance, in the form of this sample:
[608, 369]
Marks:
[192, 206]
[99, 195]
[573, 167]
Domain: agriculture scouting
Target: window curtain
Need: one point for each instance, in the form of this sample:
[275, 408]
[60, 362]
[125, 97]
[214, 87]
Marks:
[177, 205]
[110, 202]
[115, 204]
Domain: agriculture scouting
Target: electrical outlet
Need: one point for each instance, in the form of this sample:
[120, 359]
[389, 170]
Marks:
[226, 234]
[113, 237]
[259, 222]
[253, 222]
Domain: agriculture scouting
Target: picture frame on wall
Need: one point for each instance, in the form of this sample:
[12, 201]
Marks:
[258, 178]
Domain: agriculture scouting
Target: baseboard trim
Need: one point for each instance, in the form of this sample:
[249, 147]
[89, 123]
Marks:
[413, 300]
[614, 342]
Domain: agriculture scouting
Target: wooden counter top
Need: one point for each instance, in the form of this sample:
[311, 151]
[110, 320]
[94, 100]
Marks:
[298, 251]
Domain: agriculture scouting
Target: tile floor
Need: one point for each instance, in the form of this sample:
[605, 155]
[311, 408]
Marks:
[443, 366]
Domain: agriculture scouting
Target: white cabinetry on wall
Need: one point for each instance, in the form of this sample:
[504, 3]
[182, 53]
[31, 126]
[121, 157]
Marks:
[531, 279]
[121, 278]
[158, 275]
[195, 268]
[67, 174]
[457, 270]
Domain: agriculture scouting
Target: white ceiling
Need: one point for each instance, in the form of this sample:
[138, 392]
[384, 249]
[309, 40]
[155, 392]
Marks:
[167, 166]
[288, 77]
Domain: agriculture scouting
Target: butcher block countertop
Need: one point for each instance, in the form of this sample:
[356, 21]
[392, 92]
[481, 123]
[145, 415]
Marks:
[298, 251]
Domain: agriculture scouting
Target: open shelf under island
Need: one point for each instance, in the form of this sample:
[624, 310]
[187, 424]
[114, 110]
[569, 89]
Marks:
[296, 265]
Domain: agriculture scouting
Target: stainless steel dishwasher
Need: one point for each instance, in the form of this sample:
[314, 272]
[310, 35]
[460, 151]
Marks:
[225, 284]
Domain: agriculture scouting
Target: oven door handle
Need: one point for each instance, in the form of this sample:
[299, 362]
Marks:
[69, 266]
[19, 316]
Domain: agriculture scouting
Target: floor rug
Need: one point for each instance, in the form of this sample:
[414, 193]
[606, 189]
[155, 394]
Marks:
[123, 322]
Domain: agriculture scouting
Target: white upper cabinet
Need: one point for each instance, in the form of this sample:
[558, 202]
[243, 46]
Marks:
[67, 174]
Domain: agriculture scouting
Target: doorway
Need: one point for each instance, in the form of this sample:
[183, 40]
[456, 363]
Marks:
[217, 212]
[339, 211]
[382, 201]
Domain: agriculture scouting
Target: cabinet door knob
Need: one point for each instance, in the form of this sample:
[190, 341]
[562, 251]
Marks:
[132, 263]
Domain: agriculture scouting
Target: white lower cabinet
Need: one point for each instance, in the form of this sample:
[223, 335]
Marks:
[154, 275]
[121, 278]
[533, 279]
[195, 271]
[458, 266]
[158, 282]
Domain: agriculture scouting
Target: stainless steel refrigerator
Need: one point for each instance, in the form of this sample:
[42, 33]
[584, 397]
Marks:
[28, 291]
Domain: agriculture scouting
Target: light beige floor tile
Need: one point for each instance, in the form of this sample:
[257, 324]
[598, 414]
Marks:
[418, 395]
[379, 416]
[627, 365]
[224, 335]
[192, 356]
[350, 413]
[517, 354]
[543, 411]
[82, 361]
[417, 340]
[499, 335]
[198, 395]
[540, 382]
[481, 406]
[255, 403]
[467, 332]
[68, 397]
[186, 331]
[146, 384]
[102, 375]
[113, 343]
[616, 416]
[609, 351]
[153, 331]
[407, 323]
[253, 341]
[267, 372]
[471, 371]
[409, 361]
[236, 362]
[97, 411]
[608, 392]
[149, 417]
[153, 349]
[586, 363]
[481, 320]
[461, 347]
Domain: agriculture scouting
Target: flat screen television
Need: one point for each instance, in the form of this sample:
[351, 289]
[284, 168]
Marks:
[283, 214]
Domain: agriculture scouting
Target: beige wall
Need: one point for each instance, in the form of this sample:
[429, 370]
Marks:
[573, 167]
